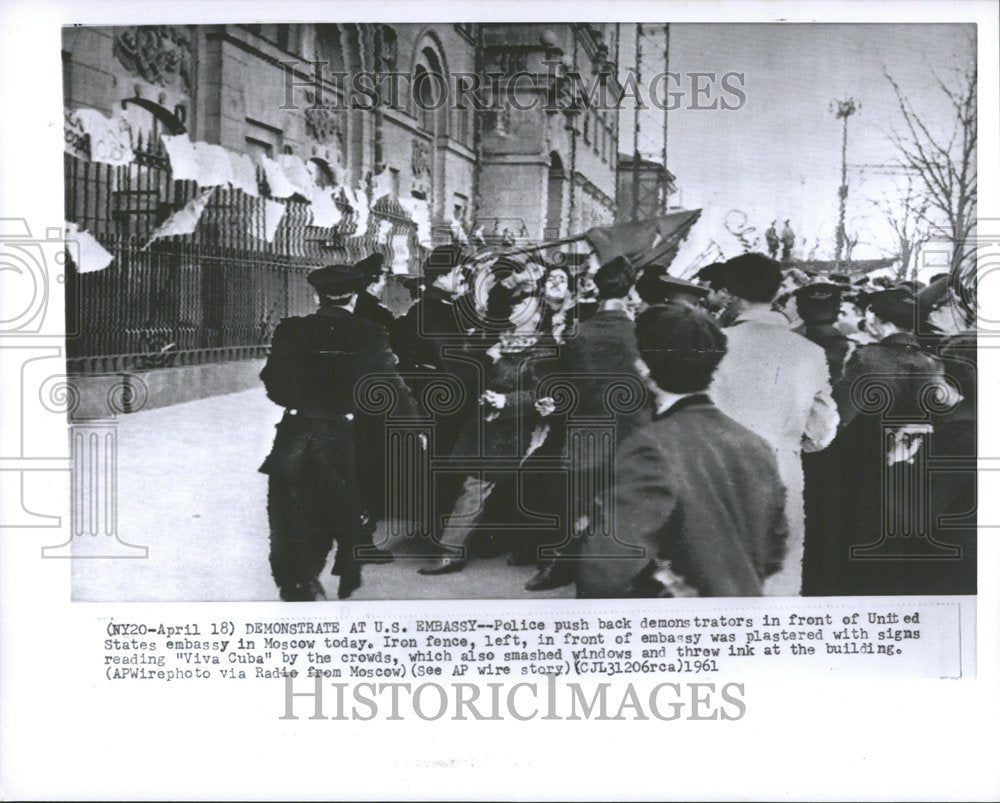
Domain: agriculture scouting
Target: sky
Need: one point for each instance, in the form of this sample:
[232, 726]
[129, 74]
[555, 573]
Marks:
[778, 156]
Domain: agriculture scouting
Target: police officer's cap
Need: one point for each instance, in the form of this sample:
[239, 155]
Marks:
[444, 259]
[372, 266]
[337, 280]
[818, 292]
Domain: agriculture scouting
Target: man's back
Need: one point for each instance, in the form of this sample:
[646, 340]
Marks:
[769, 379]
[696, 489]
[317, 362]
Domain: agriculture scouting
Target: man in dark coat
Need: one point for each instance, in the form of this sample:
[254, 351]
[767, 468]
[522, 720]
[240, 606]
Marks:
[316, 365]
[431, 340]
[370, 428]
[609, 403]
[697, 507]
[855, 515]
[818, 305]
[368, 304]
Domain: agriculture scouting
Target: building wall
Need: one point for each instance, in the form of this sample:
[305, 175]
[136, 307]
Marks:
[228, 85]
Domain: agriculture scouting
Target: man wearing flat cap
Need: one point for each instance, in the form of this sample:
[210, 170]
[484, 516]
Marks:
[697, 507]
[317, 369]
[777, 384]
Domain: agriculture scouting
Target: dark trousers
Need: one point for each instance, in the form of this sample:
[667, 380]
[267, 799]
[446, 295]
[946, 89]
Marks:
[312, 501]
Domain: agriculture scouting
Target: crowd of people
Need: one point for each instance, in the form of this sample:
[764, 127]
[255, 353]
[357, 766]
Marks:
[758, 430]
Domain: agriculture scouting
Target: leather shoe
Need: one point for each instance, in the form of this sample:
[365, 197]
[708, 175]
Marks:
[349, 583]
[555, 575]
[444, 566]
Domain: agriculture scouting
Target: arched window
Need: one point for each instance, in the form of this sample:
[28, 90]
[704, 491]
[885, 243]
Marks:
[556, 182]
[430, 93]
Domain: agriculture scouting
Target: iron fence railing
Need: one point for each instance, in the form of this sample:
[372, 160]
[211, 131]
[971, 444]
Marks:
[214, 295]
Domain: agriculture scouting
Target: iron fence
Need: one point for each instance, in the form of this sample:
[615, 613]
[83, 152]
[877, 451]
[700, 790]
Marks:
[211, 296]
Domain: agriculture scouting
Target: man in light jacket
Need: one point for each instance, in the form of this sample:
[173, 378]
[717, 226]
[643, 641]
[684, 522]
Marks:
[777, 384]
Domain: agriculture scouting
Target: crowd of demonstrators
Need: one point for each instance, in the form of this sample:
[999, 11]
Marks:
[740, 434]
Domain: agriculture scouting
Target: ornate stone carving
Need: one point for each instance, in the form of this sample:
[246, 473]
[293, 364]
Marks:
[159, 54]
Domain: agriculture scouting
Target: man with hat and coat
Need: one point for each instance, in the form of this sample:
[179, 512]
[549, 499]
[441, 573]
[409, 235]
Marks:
[818, 305]
[314, 370]
[777, 384]
[431, 340]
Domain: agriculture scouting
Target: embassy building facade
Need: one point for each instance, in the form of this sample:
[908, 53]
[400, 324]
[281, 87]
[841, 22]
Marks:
[418, 133]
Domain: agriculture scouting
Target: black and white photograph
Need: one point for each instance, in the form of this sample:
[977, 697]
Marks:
[598, 384]
[432, 311]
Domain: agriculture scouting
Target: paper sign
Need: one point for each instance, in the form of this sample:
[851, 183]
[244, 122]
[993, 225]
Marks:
[244, 173]
[325, 213]
[277, 181]
[358, 199]
[400, 254]
[384, 228]
[273, 212]
[180, 151]
[183, 221]
[110, 138]
[214, 167]
[419, 211]
[381, 185]
[92, 255]
[298, 174]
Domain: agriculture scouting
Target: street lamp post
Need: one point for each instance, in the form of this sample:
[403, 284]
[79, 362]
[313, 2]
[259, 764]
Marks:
[843, 109]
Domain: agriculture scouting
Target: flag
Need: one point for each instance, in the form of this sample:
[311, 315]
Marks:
[638, 240]
[90, 254]
[183, 221]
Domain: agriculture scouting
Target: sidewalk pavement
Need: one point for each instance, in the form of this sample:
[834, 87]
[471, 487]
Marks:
[188, 489]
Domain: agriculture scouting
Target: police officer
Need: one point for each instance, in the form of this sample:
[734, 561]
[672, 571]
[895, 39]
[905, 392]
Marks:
[818, 305]
[314, 370]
